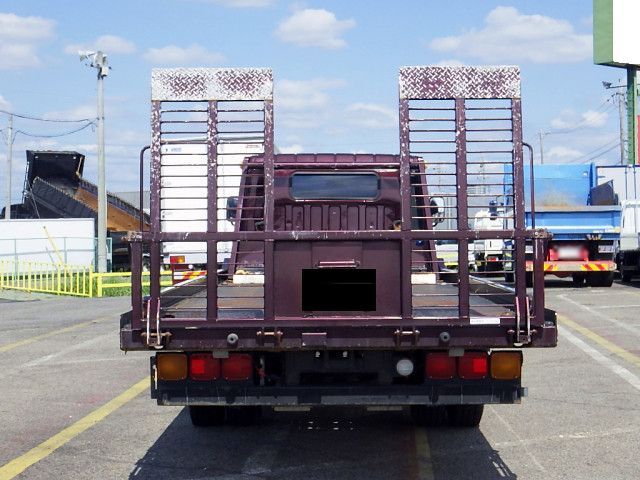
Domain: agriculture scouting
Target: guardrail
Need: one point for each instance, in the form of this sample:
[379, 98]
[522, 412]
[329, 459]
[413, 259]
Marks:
[115, 281]
[56, 278]
[63, 279]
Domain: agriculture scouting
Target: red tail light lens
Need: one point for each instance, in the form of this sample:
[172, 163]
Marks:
[473, 365]
[204, 367]
[440, 366]
[239, 366]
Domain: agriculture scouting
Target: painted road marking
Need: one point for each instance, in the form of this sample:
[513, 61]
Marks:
[619, 370]
[603, 342]
[604, 316]
[51, 334]
[425, 466]
[46, 448]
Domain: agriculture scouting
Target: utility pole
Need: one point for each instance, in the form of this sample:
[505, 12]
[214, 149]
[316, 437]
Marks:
[99, 61]
[620, 94]
[632, 114]
[7, 208]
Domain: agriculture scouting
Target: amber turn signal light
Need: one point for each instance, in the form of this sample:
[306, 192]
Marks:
[172, 366]
[506, 365]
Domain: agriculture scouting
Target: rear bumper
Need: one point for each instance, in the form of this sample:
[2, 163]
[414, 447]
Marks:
[578, 267]
[436, 393]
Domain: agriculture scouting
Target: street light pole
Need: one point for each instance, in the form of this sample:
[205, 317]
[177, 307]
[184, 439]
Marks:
[632, 114]
[620, 92]
[99, 61]
[7, 208]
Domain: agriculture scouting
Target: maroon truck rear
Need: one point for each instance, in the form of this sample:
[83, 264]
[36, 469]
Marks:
[326, 281]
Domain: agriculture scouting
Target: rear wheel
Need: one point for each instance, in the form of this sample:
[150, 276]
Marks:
[465, 415]
[600, 279]
[578, 279]
[206, 416]
[625, 275]
[244, 415]
[428, 415]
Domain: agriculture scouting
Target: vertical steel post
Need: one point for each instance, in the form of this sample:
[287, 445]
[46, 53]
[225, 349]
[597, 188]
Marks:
[405, 198]
[632, 114]
[7, 208]
[212, 209]
[462, 203]
[101, 65]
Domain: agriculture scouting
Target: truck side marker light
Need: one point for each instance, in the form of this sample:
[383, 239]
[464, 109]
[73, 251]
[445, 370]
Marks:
[172, 366]
[204, 367]
[239, 366]
[506, 365]
[440, 366]
[473, 366]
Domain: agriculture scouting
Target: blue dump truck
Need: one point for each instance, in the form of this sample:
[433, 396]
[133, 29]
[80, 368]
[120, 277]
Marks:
[583, 219]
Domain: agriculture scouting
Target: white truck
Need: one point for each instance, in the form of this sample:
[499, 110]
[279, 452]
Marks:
[628, 258]
[626, 184]
[184, 204]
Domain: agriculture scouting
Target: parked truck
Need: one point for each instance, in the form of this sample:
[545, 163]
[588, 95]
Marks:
[626, 184]
[582, 218]
[334, 294]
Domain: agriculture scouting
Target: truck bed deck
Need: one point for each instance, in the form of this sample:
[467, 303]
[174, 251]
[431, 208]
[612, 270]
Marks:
[237, 302]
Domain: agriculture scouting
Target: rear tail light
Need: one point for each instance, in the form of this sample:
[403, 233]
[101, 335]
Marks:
[473, 365]
[440, 366]
[172, 366]
[506, 365]
[239, 366]
[176, 259]
[204, 367]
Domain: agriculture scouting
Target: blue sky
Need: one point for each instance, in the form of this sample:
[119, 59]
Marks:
[335, 69]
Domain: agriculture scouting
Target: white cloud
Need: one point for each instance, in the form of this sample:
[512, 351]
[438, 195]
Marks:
[305, 95]
[77, 113]
[314, 28]
[563, 153]
[20, 38]
[193, 55]
[295, 148]
[509, 36]
[570, 120]
[4, 104]
[109, 44]
[304, 104]
[369, 115]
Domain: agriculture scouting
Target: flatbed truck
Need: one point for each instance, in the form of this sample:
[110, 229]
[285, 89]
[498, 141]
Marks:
[333, 293]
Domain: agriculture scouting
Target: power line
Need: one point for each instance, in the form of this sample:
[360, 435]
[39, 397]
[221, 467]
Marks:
[584, 123]
[615, 143]
[27, 117]
[56, 135]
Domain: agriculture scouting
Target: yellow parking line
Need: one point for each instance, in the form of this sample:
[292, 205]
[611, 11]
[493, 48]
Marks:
[50, 334]
[425, 467]
[603, 342]
[20, 464]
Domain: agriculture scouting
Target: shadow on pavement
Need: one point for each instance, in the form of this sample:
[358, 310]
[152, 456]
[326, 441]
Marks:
[345, 444]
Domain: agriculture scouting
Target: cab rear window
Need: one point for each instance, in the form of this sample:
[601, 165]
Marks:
[334, 186]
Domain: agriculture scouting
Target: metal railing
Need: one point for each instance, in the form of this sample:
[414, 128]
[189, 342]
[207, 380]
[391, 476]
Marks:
[63, 279]
[59, 279]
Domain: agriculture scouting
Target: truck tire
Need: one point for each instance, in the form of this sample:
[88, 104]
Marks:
[626, 275]
[465, 415]
[578, 279]
[206, 416]
[244, 416]
[600, 279]
[429, 415]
